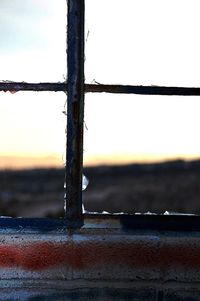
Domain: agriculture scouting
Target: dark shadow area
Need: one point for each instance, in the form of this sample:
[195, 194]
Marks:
[171, 186]
[32, 193]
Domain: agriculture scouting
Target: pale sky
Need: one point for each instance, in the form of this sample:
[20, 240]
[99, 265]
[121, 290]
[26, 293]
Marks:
[138, 42]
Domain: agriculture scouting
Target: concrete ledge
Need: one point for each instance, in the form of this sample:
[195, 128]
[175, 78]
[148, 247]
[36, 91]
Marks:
[99, 294]
[102, 258]
[80, 295]
[101, 253]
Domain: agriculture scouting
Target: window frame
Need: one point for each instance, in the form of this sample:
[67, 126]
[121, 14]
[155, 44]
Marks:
[75, 88]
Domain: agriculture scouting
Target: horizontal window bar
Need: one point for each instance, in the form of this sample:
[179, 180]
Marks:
[36, 225]
[158, 222]
[127, 222]
[98, 88]
[22, 86]
[145, 90]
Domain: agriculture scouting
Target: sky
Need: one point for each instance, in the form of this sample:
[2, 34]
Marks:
[138, 42]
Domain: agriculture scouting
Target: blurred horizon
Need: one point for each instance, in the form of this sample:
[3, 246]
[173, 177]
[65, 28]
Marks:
[8, 162]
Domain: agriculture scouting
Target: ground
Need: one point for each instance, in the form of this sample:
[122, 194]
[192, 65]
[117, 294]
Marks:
[170, 186]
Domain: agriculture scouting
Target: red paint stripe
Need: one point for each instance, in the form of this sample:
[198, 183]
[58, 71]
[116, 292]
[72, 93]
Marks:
[39, 256]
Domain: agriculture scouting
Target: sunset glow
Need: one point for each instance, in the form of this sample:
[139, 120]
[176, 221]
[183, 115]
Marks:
[119, 129]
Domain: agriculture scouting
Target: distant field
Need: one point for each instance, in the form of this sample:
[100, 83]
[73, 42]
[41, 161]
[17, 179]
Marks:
[171, 186]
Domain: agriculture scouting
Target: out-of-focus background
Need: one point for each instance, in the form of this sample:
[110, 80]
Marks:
[138, 188]
[141, 153]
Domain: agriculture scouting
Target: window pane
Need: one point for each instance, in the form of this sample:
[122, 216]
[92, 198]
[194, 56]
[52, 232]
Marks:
[32, 153]
[128, 139]
[143, 42]
[33, 40]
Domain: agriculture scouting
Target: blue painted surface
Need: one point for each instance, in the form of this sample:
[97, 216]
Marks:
[128, 223]
[104, 294]
[97, 294]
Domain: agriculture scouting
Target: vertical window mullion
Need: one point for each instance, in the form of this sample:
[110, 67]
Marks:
[75, 112]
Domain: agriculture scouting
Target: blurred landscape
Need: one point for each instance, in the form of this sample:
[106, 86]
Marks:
[170, 186]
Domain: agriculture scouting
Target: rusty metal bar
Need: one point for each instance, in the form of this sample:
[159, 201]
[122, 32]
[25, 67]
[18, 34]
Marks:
[75, 112]
[94, 88]
[144, 90]
[22, 86]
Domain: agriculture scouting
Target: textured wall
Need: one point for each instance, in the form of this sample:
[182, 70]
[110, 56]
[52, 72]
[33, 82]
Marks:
[101, 262]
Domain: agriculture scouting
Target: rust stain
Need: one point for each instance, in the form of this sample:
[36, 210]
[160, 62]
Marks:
[40, 256]
[36, 256]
